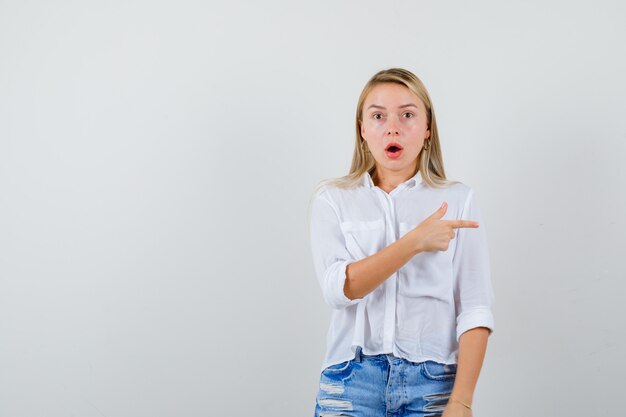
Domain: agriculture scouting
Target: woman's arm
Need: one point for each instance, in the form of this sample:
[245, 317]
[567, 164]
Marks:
[473, 294]
[472, 348]
[432, 234]
[364, 276]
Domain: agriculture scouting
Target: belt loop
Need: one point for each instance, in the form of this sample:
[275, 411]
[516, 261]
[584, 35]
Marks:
[357, 354]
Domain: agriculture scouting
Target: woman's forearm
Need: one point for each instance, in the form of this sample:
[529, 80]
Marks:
[364, 276]
[472, 348]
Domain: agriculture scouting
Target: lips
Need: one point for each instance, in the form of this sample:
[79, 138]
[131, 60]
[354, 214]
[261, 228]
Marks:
[393, 150]
[393, 147]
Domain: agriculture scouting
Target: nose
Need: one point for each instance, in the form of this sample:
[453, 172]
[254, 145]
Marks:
[392, 129]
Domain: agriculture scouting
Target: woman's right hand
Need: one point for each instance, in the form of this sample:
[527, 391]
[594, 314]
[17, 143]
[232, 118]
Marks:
[435, 234]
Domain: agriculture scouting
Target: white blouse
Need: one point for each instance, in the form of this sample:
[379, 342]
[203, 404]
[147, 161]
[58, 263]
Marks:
[419, 312]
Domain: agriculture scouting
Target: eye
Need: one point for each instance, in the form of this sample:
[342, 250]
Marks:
[376, 116]
[409, 115]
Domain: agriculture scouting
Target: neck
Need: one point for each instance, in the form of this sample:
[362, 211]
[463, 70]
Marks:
[388, 180]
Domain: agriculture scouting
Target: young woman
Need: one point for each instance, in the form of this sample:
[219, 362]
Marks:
[402, 261]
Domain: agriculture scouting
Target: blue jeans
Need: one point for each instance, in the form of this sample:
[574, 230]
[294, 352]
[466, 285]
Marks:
[384, 386]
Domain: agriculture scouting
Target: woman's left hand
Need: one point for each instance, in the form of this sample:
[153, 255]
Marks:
[455, 409]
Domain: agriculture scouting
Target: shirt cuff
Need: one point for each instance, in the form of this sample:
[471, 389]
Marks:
[341, 299]
[475, 317]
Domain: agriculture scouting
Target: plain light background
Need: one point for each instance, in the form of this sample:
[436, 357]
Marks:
[156, 161]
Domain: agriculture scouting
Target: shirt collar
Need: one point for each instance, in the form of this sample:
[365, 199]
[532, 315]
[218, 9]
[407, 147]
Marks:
[411, 182]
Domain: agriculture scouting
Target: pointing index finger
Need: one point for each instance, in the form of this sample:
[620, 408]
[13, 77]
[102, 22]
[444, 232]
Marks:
[462, 223]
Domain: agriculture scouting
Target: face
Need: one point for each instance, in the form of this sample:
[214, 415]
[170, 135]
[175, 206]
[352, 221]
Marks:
[393, 115]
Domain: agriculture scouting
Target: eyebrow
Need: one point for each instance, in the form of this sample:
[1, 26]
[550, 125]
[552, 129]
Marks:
[400, 107]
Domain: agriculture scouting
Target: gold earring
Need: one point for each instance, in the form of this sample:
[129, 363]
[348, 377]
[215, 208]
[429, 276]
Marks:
[426, 147]
[364, 148]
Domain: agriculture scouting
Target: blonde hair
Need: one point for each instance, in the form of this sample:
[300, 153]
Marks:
[430, 162]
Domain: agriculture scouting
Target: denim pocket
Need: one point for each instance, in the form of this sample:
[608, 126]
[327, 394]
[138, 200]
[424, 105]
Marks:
[338, 368]
[439, 371]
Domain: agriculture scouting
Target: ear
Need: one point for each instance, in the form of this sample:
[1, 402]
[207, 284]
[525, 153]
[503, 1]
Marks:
[427, 134]
[363, 130]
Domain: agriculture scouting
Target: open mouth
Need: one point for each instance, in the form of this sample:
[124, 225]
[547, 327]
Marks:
[393, 148]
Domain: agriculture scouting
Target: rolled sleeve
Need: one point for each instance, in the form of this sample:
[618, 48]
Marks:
[473, 291]
[330, 256]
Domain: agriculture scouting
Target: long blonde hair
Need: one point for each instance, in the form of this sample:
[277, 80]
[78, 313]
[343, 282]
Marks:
[430, 162]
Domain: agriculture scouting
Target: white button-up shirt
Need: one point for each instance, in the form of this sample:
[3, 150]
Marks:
[420, 311]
